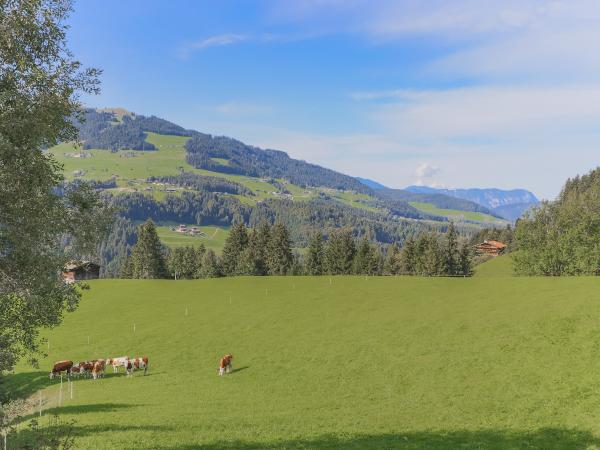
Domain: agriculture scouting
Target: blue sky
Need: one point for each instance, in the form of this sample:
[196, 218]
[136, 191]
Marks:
[455, 93]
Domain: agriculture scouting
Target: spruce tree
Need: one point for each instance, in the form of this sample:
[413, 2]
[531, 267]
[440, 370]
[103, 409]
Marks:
[365, 260]
[279, 253]
[451, 256]
[235, 244]
[252, 259]
[408, 260]
[316, 250]
[465, 260]
[431, 258]
[339, 254]
[392, 262]
[147, 258]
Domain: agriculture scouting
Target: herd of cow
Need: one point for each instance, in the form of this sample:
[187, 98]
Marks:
[96, 367]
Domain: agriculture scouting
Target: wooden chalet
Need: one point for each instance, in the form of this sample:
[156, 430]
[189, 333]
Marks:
[489, 247]
[80, 270]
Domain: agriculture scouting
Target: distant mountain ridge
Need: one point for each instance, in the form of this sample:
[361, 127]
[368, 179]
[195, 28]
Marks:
[510, 204]
[370, 183]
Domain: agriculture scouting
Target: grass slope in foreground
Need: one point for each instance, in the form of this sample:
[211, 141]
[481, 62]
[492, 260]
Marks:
[360, 363]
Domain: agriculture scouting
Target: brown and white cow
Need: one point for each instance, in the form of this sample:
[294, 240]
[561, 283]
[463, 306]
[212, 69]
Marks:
[59, 367]
[137, 364]
[118, 362]
[98, 370]
[225, 364]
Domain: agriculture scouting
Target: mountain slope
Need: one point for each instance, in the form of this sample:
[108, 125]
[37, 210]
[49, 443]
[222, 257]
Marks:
[499, 201]
[370, 183]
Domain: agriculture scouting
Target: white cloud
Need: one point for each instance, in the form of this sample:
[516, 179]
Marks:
[425, 173]
[214, 41]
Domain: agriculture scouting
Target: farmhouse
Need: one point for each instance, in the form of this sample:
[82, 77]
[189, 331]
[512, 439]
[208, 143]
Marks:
[80, 270]
[490, 247]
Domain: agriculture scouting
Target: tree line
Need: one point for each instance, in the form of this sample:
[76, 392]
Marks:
[561, 237]
[267, 250]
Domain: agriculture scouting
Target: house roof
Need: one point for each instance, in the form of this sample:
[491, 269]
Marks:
[497, 244]
[85, 265]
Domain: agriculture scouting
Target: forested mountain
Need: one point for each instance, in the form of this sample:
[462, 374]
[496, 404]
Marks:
[150, 168]
[440, 200]
[220, 154]
[509, 204]
[370, 183]
[205, 151]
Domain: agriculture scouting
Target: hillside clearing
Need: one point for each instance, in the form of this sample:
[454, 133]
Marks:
[457, 214]
[350, 362]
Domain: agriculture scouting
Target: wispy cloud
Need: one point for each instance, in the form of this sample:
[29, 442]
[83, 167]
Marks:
[214, 41]
[425, 173]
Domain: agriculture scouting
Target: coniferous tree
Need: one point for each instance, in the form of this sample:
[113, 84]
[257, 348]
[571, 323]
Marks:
[339, 254]
[451, 253]
[316, 250]
[252, 260]
[365, 260]
[393, 261]
[279, 253]
[147, 259]
[431, 258]
[408, 260]
[235, 244]
[465, 260]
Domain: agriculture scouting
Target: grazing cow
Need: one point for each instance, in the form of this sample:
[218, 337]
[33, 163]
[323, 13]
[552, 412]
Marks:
[98, 370]
[118, 362]
[86, 368]
[137, 364]
[76, 370]
[61, 366]
[225, 364]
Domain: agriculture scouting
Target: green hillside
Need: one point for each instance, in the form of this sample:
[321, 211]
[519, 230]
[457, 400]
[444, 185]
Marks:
[350, 362]
[456, 214]
[212, 237]
[496, 267]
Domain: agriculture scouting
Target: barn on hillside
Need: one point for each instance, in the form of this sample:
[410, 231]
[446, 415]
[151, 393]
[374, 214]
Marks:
[80, 270]
[489, 247]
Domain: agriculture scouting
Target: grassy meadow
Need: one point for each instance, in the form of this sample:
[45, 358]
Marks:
[342, 362]
[456, 214]
[213, 238]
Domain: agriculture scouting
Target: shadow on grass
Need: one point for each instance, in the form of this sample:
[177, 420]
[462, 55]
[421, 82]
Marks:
[239, 369]
[24, 385]
[545, 438]
[27, 438]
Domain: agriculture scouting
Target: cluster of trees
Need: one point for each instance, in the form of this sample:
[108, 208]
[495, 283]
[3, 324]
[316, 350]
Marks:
[203, 183]
[267, 250]
[102, 130]
[252, 161]
[201, 208]
[561, 237]
[432, 255]
[114, 137]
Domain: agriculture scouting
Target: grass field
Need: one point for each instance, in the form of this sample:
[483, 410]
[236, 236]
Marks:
[351, 362]
[214, 237]
[496, 267]
[456, 214]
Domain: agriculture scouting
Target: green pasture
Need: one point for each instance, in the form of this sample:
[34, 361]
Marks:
[341, 362]
[213, 238]
[500, 266]
[457, 214]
